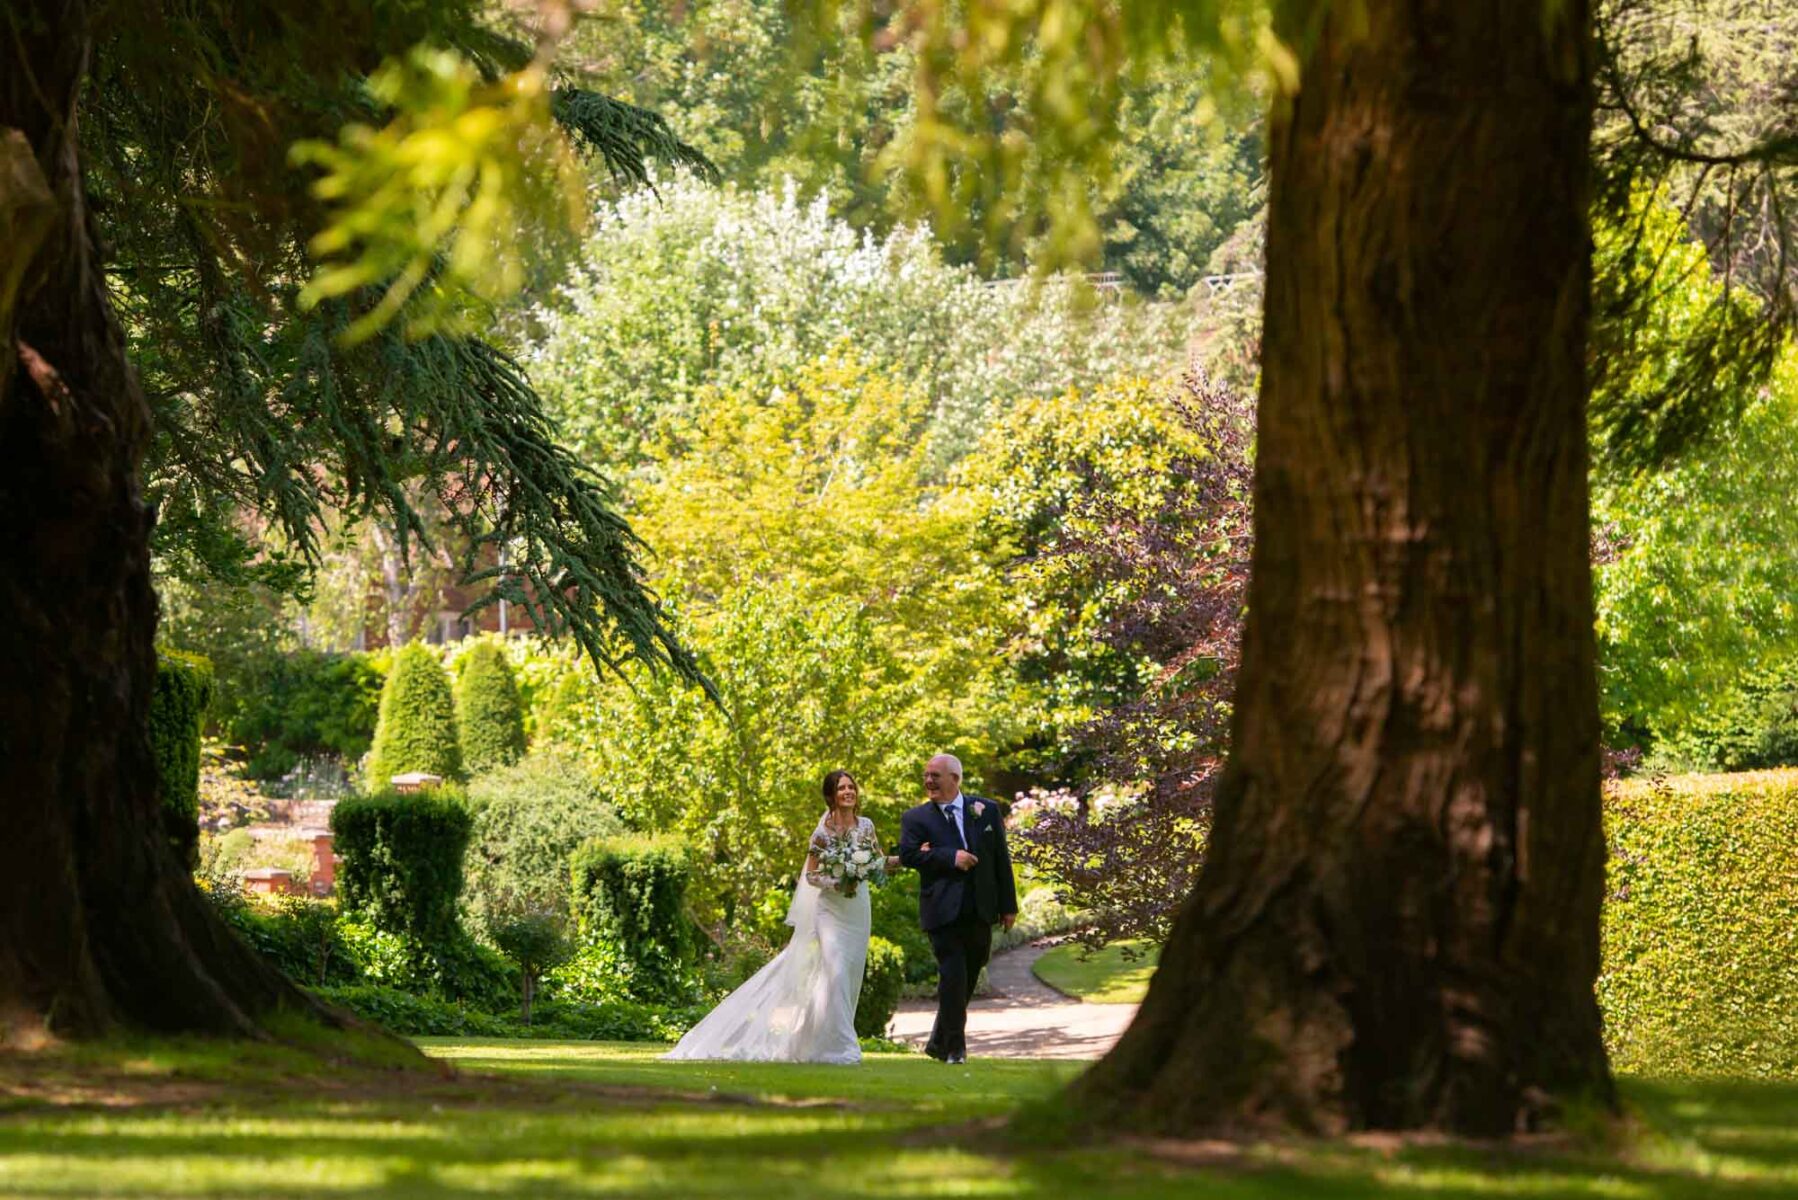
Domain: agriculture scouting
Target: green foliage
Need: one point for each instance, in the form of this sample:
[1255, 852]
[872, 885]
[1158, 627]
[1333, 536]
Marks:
[488, 712]
[402, 860]
[630, 892]
[765, 103]
[1676, 352]
[596, 973]
[455, 968]
[437, 194]
[1701, 926]
[178, 706]
[260, 402]
[895, 913]
[416, 729]
[687, 292]
[1052, 472]
[528, 819]
[411, 1015]
[1752, 725]
[299, 935]
[1697, 571]
[804, 683]
[305, 704]
[881, 984]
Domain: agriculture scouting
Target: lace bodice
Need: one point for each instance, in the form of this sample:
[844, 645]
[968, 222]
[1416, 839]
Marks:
[823, 835]
[864, 829]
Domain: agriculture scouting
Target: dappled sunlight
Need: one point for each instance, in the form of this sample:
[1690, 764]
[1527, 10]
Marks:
[565, 1120]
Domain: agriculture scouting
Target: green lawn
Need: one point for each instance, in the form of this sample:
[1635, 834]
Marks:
[1105, 976]
[562, 1120]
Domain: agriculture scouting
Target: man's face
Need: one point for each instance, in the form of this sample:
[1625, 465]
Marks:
[940, 783]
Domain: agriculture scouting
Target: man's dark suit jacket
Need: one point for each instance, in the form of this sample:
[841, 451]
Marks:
[942, 887]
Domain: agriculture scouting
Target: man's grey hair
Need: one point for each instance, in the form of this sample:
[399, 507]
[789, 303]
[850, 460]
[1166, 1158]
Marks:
[953, 763]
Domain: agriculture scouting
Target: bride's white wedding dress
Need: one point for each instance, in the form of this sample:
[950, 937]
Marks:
[801, 1006]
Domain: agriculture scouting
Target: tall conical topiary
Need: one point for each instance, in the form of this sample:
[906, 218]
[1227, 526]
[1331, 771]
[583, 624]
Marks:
[488, 709]
[416, 728]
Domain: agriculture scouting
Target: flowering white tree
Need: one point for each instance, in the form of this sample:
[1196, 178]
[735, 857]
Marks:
[688, 288]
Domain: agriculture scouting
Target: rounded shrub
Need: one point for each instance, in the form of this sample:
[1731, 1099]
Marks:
[631, 892]
[881, 985]
[528, 819]
[488, 711]
[416, 727]
[1701, 926]
[402, 860]
[178, 703]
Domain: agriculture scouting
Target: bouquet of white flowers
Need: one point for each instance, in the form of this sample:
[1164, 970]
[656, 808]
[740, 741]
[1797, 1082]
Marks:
[849, 861]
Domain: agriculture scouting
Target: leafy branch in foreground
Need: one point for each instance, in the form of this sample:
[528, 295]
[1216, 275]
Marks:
[260, 402]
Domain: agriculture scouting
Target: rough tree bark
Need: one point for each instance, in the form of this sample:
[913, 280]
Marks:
[1397, 925]
[100, 924]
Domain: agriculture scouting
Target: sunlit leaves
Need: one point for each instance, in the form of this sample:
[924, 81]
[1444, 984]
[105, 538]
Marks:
[448, 201]
[1017, 102]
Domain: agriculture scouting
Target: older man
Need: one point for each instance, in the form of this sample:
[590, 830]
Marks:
[956, 844]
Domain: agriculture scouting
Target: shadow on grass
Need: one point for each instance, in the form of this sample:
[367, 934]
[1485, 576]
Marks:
[542, 1129]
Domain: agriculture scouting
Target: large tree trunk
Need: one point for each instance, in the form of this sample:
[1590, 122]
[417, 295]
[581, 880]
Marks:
[1397, 926]
[100, 924]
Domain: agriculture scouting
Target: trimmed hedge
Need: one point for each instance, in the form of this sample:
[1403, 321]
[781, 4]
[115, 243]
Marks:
[1701, 926]
[416, 727]
[488, 711]
[631, 892]
[402, 860]
[881, 983]
[178, 703]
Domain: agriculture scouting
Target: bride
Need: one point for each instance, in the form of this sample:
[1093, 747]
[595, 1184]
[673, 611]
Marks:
[801, 1006]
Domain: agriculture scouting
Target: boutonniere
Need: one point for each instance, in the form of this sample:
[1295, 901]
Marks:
[978, 809]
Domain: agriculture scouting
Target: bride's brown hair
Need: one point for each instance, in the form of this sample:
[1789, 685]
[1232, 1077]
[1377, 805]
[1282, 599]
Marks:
[831, 781]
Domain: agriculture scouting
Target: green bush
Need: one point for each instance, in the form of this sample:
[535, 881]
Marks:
[488, 711]
[412, 1015]
[616, 1021]
[299, 935]
[881, 984]
[178, 704]
[457, 969]
[631, 892]
[895, 911]
[416, 727]
[1701, 926]
[305, 704]
[402, 860]
[528, 819]
[597, 973]
[1751, 727]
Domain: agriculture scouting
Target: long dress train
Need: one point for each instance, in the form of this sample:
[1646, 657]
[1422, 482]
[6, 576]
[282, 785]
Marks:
[801, 1006]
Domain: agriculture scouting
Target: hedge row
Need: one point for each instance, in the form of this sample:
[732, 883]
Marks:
[183, 690]
[1701, 925]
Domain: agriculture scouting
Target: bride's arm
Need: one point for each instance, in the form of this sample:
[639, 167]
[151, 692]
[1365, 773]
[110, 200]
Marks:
[893, 863]
[812, 875]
